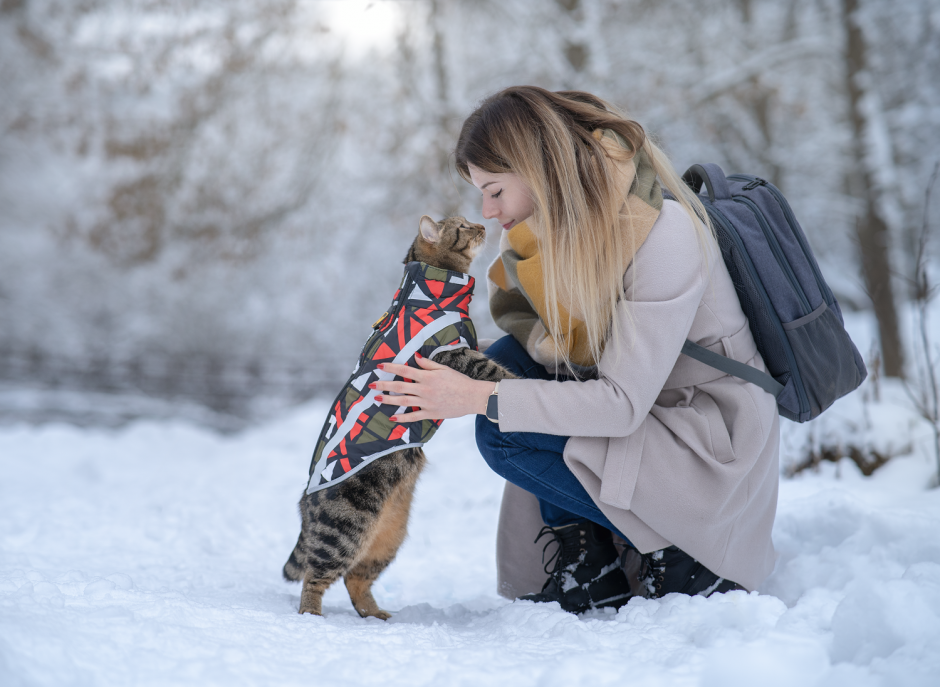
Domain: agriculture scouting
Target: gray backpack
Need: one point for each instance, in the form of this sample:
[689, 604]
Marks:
[795, 319]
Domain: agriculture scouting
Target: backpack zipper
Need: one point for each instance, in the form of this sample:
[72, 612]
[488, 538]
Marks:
[791, 218]
[754, 182]
[777, 251]
[801, 396]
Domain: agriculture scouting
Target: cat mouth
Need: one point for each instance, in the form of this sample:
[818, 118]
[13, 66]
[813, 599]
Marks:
[479, 241]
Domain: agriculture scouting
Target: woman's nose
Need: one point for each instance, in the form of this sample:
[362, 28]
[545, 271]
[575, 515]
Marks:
[489, 209]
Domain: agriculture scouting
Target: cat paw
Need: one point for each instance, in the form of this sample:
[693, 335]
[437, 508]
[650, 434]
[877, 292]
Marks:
[377, 613]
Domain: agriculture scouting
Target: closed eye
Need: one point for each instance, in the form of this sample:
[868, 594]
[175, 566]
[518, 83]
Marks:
[498, 194]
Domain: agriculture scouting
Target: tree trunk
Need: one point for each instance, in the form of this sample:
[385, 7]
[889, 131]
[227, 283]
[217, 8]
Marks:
[445, 127]
[871, 229]
[576, 51]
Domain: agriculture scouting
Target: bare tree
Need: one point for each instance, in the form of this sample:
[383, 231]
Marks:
[574, 47]
[444, 118]
[924, 388]
[174, 193]
[874, 237]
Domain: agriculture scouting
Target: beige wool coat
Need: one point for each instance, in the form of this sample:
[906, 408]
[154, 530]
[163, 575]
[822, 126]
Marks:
[671, 451]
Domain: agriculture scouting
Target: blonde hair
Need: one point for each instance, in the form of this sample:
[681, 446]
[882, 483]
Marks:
[547, 139]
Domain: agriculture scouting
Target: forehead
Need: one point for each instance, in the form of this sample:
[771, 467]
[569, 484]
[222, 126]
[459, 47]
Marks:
[481, 178]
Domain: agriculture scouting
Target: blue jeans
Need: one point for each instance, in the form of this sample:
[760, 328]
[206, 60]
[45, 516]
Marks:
[534, 461]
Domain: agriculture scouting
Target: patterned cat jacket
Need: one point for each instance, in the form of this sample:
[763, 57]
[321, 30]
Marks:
[429, 314]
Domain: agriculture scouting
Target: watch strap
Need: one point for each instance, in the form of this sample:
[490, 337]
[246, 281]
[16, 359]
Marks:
[492, 405]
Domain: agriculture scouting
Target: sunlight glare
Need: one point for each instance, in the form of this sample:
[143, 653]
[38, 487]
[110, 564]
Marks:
[363, 25]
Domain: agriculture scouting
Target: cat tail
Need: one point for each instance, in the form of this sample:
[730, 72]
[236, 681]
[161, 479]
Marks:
[294, 567]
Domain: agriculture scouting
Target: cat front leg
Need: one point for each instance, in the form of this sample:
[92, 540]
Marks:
[473, 364]
[384, 540]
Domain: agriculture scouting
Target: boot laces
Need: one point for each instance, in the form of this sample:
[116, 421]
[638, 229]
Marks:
[568, 551]
[655, 572]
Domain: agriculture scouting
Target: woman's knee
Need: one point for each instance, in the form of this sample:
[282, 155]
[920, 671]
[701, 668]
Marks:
[510, 452]
[490, 444]
[500, 450]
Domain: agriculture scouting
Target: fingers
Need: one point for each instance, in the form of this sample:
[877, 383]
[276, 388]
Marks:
[407, 401]
[393, 387]
[409, 371]
[405, 371]
[412, 416]
[436, 392]
[427, 363]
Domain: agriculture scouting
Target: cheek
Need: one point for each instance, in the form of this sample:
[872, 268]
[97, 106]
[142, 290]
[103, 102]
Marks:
[490, 208]
[524, 207]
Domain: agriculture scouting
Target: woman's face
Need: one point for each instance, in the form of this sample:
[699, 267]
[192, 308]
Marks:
[506, 197]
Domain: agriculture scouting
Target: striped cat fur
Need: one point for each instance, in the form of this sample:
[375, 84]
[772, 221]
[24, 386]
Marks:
[354, 529]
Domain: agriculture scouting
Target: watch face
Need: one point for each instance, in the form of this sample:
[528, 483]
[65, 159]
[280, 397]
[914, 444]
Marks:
[491, 407]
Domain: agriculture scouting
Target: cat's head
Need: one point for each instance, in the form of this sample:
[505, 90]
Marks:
[450, 244]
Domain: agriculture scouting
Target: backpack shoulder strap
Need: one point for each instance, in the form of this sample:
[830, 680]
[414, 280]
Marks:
[733, 367]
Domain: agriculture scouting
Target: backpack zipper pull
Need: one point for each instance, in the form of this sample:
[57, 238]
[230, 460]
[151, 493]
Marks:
[754, 184]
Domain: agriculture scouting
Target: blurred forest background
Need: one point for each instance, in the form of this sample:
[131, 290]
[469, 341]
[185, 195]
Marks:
[208, 201]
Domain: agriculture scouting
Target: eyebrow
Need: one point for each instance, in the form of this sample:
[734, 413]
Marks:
[487, 184]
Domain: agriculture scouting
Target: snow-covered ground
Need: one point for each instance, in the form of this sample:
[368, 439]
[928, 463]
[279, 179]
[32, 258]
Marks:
[151, 555]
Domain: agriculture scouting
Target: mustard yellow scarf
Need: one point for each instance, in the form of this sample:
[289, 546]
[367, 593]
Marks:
[516, 287]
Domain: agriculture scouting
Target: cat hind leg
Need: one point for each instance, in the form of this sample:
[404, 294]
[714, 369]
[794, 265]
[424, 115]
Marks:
[389, 532]
[324, 551]
[311, 598]
[359, 585]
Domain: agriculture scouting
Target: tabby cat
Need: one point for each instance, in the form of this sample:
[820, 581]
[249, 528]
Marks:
[353, 528]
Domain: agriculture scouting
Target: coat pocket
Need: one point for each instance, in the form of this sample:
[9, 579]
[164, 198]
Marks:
[622, 468]
[710, 426]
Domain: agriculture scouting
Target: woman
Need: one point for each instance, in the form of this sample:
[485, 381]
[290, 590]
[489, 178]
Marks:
[609, 429]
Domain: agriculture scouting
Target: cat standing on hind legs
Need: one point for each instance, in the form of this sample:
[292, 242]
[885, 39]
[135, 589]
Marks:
[354, 512]
[353, 529]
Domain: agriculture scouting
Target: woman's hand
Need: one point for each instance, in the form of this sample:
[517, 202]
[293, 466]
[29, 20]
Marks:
[437, 391]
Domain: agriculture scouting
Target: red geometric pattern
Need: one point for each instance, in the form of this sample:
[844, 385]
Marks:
[429, 300]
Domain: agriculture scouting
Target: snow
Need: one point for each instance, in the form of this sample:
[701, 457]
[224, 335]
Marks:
[151, 554]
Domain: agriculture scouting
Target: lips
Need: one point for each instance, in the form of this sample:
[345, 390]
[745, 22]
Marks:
[508, 226]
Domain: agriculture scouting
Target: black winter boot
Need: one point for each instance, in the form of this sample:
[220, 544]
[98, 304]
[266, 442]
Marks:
[673, 570]
[587, 571]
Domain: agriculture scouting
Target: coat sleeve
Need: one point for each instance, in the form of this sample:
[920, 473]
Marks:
[664, 285]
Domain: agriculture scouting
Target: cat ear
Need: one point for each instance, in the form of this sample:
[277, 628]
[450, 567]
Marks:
[430, 230]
